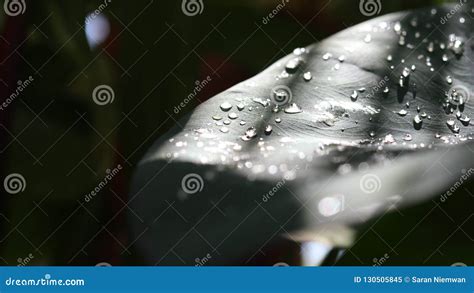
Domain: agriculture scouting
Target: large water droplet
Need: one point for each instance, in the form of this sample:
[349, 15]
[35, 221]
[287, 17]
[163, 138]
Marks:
[417, 122]
[268, 130]
[402, 112]
[354, 96]
[307, 76]
[226, 106]
[293, 108]
[293, 65]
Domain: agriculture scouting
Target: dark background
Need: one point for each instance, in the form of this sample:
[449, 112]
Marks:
[62, 143]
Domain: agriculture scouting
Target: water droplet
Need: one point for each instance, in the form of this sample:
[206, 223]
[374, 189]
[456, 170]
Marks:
[403, 112]
[242, 122]
[293, 108]
[417, 122]
[307, 76]
[449, 79]
[224, 129]
[354, 96]
[232, 115]
[249, 134]
[217, 117]
[240, 106]
[226, 106]
[278, 120]
[299, 51]
[386, 90]
[227, 122]
[268, 130]
[372, 134]
[445, 57]
[368, 38]
[361, 90]
[456, 45]
[465, 120]
[327, 56]
[342, 58]
[293, 65]
[389, 58]
[407, 137]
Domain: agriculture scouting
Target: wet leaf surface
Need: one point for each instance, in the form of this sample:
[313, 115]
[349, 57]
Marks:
[372, 118]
